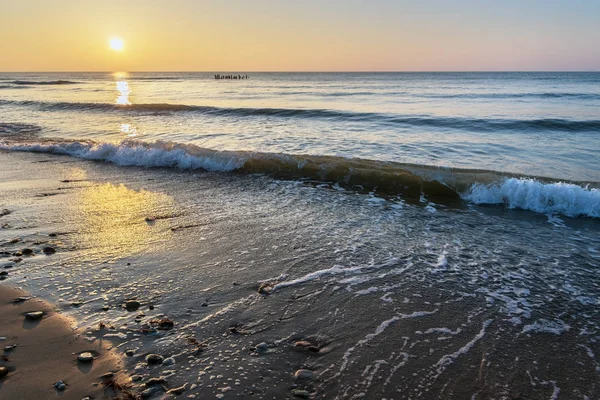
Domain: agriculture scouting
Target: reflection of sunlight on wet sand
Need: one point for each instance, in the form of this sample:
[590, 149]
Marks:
[112, 218]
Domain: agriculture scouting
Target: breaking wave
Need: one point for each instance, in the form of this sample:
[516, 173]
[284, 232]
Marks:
[384, 178]
[530, 194]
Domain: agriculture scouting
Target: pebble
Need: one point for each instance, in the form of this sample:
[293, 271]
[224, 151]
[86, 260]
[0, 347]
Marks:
[136, 378]
[49, 250]
[3, 372]
[9, 348]
[108, 375]
[27, 252]
[105, 308]
[60, 385]
[85, 357]
[304, 374]
[3, 273]
[262, 347]
[129, 353]
[303, 394]
[154, 359]
[169, 361]
[132, 305]
[34, 315]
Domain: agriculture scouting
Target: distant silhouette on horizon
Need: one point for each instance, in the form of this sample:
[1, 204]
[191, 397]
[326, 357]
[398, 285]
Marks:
[218, 76]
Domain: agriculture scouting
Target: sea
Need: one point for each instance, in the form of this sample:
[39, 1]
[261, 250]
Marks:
[398, 235]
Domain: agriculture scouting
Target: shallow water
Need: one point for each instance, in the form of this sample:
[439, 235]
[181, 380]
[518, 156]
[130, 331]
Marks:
[401, 300]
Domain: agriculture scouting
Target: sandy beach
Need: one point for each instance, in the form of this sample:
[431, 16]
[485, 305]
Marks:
[41, 352]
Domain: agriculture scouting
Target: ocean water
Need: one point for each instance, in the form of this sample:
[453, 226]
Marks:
[431, 235]
[469, 131]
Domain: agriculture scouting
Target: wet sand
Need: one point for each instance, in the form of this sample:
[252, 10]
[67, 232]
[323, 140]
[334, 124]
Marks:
[45, 351]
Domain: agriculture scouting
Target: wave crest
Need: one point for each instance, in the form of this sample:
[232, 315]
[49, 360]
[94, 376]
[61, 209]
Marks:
[530, 194]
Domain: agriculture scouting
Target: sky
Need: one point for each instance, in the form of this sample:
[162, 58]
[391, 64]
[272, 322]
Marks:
[308, 35]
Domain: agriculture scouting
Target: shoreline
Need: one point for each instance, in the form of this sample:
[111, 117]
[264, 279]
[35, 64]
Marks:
[45, 351]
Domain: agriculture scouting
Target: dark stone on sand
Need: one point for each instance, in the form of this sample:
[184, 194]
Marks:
[265, 289]
[151, 307]
[204, 305]
[303, 394]
[105, 308]
[154, 359]
[9, 348]
[2, 278]
[60, 385]
[177, 391]
[21, 299]
[17, 254]
[3, 273]
[76, 304]
[136, 378]
[85, 357]
[49, 250]
[17, 260]
[27, 252]
[163, 323]
[7, 266]
[130, 353]
[52, 234]
[34, 315]
[132, 305]
[304, 374]
[262, 347]
[108, 375]
[3, 372]
[156, 381]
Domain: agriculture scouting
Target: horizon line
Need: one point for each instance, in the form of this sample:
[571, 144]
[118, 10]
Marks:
[303, 71]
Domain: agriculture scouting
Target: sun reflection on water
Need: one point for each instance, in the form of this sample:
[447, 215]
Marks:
[123, 92]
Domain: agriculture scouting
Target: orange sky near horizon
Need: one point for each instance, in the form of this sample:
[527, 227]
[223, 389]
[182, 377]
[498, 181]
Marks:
[268, 35]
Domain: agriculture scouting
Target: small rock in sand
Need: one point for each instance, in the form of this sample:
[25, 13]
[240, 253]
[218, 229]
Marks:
[304, 374]
[265, 288]
[136, 378]
[27, 252]
[105, 308]
[85, 357]
[303, 394]
[108, 375]
[60, 385]
[132, 305]
[169, 361]
[3, 273]
[154, 359]
[9, 348]
[3, 372]
[34, 315]
[49, 250]
[129, 353]
[262, 347]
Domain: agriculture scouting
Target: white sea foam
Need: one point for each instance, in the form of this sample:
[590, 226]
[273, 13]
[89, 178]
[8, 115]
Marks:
[555, 327]
[136, 153]
[529, 194]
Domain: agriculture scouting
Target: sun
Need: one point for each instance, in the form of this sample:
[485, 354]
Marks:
[117, 44]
